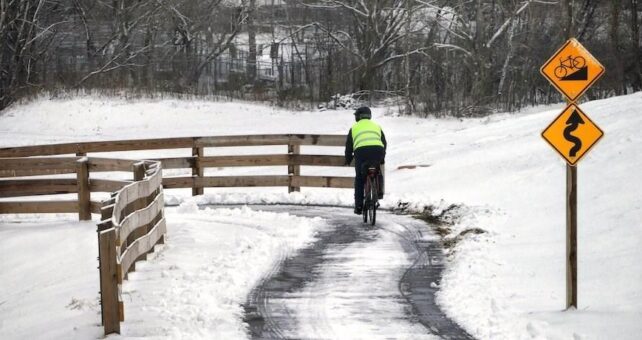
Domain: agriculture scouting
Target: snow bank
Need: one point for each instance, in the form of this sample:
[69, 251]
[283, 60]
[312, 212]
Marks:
[506, 283]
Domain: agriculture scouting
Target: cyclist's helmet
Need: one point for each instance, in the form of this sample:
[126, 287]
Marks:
[362, 113]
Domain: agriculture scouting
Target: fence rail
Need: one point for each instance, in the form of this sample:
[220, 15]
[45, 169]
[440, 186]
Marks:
[172, 143]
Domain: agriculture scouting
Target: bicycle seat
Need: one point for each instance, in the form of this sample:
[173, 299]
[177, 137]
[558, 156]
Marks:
[370, 169]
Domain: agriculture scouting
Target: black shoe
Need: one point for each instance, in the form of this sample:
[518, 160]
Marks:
[358, 211]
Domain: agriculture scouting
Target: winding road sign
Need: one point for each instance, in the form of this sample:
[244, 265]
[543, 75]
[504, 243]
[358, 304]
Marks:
[572, 69]
[572, 134]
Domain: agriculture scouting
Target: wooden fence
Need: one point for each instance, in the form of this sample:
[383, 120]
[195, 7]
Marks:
[198, 162]
[132, 224]
[132, 220]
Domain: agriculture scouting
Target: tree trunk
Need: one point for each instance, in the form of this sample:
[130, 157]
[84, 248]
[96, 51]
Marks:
[614, 26]
[408, 109]
[635, 47]
[567, 19]
[480, 90]
[251, 33]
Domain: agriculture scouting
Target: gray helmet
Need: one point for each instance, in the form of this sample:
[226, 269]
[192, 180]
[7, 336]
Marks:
[362, 113]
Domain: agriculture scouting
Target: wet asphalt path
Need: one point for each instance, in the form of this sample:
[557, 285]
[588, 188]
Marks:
[354, 282]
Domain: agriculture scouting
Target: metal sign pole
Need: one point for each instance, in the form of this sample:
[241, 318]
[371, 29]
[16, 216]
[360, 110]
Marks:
[571, 236]
[571, 209]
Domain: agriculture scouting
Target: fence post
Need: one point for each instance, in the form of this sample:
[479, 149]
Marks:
[139, 171]
[197, 169]
[293, 170]
[82, 176]
[139, 175]
[108, 281]
[105, 218]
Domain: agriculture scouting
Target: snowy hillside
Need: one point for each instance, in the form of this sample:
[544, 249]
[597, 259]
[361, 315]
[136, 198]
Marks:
[506, 283]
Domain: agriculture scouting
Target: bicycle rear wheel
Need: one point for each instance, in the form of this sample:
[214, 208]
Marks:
[364, 207]
[372, 197]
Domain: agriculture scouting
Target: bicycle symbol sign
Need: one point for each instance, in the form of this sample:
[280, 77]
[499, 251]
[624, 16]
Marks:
[572, 70]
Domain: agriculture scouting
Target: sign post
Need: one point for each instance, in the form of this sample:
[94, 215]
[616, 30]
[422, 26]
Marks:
[572, 70]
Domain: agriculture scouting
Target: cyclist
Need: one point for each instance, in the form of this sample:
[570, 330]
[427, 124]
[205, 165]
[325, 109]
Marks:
[368, 144]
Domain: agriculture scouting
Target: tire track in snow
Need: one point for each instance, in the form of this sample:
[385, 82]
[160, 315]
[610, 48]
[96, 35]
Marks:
[354, 282]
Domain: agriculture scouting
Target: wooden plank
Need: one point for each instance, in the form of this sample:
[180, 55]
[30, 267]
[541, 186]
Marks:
[171, 143]
[108, 281]
[103, 146]
[140, 218]
[82, 180]
[38, 163]
[244, 160]
[319, 140]
[177, 162]
[178, 182]
[275, 139]
[38, 166]
[323, 182]
[242, 181]
[107, 185]
[141, 246]
[38, 207]
[317, 160]
[34, 187]
[198, 168]
[110, 164]
[251, 140]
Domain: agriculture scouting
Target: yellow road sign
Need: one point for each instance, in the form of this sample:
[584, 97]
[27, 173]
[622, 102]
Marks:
[572, 69]
[572, 134]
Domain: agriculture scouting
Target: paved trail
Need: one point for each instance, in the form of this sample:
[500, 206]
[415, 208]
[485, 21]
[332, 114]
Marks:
[355, 282]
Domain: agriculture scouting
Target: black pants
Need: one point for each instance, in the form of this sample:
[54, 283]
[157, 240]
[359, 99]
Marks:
[364, 156]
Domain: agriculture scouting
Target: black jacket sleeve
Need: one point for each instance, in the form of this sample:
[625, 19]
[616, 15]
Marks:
[385, 145]
[348, 152]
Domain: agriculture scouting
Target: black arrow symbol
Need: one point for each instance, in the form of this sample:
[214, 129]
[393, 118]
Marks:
[573, 123]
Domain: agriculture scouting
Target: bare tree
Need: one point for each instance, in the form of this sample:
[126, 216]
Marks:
[204, 31]
[123, 50]
[378, 27]
[24, 37]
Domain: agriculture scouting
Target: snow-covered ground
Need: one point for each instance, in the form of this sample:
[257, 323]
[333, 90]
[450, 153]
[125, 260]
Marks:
[508, 283]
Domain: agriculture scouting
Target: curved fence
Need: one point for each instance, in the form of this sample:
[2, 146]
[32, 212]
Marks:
[133, 223]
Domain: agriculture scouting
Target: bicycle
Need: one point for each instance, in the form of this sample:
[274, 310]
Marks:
[567, 64]
[371, 195]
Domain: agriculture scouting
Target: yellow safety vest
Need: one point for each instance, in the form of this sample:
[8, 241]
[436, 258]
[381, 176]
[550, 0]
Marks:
[366, 133]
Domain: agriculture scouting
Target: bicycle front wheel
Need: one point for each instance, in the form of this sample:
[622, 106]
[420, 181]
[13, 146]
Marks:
[560, 72]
